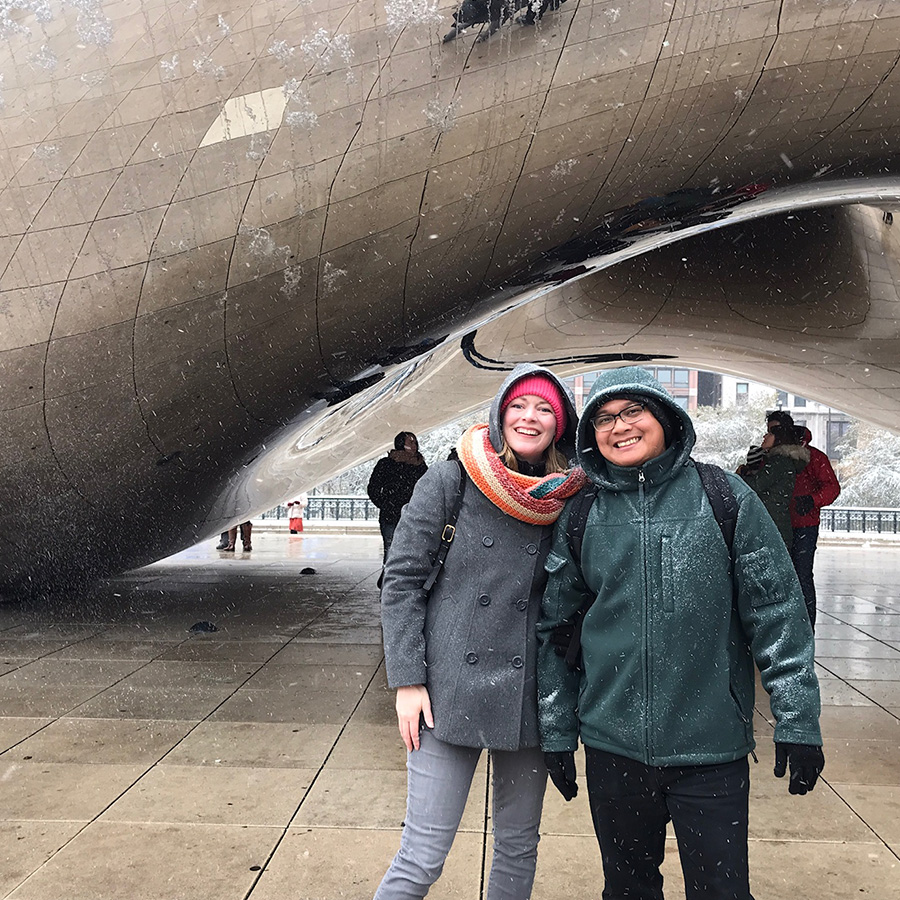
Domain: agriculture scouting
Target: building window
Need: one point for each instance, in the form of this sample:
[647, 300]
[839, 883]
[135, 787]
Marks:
[681, 401]
[782, 398]
[664, 376]
[682, 378]
[741, 393]
[799, 401]
[837, 432]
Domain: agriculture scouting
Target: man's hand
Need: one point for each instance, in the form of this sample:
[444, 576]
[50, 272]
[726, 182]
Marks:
[413, 704]
[806, 761]
[561, 769]
[804, 504]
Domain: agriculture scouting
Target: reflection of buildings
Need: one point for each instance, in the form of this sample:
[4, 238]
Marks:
[692, 388]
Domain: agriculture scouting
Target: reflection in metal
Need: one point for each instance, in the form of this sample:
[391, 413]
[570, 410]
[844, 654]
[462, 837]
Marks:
[240, 244]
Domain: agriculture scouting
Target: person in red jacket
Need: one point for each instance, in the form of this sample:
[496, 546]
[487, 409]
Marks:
[816, 486]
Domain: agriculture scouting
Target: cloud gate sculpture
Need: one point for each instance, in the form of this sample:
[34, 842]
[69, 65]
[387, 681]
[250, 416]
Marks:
[242, 244]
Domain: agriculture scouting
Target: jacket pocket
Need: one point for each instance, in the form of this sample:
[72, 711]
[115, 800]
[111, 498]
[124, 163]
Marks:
[761, 572]
[668, 579]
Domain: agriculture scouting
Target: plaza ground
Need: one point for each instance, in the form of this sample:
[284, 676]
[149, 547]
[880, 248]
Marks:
[141, 760]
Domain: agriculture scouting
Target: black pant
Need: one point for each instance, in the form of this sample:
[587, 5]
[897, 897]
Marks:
[708, 805]
[803, 554]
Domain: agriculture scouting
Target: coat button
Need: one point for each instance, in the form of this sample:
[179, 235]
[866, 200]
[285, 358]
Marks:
[488, 541]
[517, 662]
[471, 658]
[522, 605]
[484, 600]
[531, 549]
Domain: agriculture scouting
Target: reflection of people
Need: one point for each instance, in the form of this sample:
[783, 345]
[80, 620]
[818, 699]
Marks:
[773, 481]
[246, 529]
[392, 481]
[462, 656]
[663, 700]
[296, 509]
[816, 486]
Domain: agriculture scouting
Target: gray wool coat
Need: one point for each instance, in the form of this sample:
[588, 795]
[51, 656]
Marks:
[472, 641]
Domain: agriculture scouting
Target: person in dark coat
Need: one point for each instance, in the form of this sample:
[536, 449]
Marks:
[783, 458]
[392, 481]
[816, 486]
[672, 625]
[462, 657]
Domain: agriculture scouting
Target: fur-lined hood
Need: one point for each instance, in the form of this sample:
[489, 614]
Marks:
[791, 451]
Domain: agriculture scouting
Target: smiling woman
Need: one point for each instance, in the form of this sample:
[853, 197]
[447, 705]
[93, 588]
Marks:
[462, 655]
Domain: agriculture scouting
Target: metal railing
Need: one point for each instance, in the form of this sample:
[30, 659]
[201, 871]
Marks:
[860, 520]
[331, 508]
[834, 518]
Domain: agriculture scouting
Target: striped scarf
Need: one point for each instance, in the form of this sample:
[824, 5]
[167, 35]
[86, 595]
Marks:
[538, 501]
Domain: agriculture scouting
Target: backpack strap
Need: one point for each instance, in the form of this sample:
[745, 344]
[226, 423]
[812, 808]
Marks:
[721, 499]
[581, 505]
[449, 530]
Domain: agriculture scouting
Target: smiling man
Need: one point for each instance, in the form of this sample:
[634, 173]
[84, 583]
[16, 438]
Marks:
[672, 622]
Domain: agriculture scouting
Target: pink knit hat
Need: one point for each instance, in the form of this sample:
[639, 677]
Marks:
[543, 387]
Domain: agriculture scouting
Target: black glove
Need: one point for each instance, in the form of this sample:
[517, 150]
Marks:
[561, 768]
[804, 504]
[561, 637]
[806, 762]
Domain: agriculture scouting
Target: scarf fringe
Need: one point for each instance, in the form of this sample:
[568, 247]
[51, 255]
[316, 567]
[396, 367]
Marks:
[538, 501]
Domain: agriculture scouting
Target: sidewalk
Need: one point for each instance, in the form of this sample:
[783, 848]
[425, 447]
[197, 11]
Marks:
[142, 761]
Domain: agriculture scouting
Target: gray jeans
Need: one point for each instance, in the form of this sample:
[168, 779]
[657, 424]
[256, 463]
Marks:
[439, 778]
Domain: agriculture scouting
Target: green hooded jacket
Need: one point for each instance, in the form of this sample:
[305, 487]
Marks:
[669, 642]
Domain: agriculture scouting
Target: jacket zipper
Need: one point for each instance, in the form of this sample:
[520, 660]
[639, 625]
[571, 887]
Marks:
[646, 614]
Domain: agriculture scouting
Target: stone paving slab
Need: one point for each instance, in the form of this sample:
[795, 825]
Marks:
[261, 761]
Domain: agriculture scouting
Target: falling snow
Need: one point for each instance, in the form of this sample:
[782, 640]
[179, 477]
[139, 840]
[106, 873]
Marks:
[401, 13]
[441, 115]
[169, 68]
[45, 58]
[322, 48]
[282, 51]
[563, 167]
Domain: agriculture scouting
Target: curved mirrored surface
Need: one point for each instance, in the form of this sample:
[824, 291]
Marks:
[242, 244]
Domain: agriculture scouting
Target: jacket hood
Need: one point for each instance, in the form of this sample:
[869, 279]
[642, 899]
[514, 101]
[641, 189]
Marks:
[805, 437]
[566, 443]
[793, 451]
[629, 380]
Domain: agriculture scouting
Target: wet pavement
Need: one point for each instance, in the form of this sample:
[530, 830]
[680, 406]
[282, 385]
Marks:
[141, 759]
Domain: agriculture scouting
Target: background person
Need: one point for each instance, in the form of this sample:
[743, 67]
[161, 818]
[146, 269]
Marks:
[773, 481]
[462, 658]
[392, 481]
[816, 486]
[664, 699]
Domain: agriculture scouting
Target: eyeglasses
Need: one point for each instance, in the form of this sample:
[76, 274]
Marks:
[606, 421]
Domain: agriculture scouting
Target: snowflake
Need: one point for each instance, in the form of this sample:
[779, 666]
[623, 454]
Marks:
[46, 151]
[321, 48]
[93, 26]
[331, 277]
[401, 13]
[301, 120]
[440, 115]
[92, 79]
[169, 68]
[563, 167]
[45, 58]
[223, 26]
[282, 51]
[613, 15]
[205, 66]
[293, 275]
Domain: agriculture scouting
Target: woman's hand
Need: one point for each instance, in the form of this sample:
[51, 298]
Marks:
[413, 704]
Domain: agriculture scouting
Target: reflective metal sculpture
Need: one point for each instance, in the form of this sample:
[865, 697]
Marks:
[242, 244]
